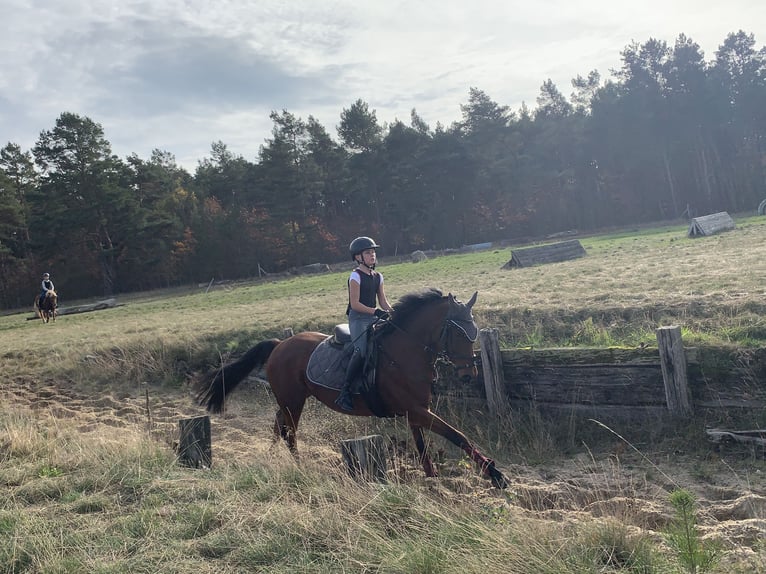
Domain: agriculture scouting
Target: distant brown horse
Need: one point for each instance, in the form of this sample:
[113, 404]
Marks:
[47, 309]
[423, 327]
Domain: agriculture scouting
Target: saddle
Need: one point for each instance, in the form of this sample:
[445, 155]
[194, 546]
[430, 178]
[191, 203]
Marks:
[42, 298]
[327, 364]
[341, 336]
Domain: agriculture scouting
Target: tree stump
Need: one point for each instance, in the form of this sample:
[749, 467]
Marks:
[365, 457]
[194, 448]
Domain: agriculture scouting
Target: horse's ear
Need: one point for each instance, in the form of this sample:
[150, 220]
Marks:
[472, 300]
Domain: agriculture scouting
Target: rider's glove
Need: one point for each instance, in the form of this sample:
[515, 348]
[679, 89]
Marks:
[381, 314]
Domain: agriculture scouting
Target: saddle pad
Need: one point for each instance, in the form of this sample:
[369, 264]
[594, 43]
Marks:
[327, 364]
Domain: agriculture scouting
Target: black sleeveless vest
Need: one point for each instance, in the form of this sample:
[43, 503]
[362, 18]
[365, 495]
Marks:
[368, 290]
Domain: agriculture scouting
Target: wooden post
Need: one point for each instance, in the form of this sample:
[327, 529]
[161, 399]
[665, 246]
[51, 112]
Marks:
[194, 448]
[287, 333]
[492, 367]
[365, 457]
[673, 362]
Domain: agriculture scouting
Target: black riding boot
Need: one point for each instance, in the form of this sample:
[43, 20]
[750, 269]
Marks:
[344, 400]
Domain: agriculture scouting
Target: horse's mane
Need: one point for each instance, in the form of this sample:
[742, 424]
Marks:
[409, 304]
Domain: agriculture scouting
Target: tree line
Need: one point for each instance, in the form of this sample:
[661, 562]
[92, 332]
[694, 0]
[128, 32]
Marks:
[669, 135]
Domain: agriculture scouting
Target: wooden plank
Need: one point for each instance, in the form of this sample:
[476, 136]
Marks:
[585, 384]
[568, 356]
[751, 436]
[611, 377]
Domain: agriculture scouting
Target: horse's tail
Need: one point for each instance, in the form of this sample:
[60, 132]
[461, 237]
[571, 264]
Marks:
[212, 395]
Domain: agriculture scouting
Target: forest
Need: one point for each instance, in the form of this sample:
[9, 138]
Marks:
[669, 135]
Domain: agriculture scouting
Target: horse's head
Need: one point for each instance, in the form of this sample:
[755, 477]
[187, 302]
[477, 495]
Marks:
[458, 336]
[443, 324]
[52, 297]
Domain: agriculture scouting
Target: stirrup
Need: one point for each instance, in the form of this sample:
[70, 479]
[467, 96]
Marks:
[345, 401]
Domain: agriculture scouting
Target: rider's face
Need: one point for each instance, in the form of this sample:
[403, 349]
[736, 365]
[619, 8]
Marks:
[369, 256]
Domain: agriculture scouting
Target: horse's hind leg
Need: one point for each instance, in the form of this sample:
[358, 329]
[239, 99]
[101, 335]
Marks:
[286, 425]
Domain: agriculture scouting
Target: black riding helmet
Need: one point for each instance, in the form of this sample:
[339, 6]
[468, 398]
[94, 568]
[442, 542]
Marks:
[360, 244]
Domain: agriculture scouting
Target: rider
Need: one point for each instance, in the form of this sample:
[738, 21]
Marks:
[365, 290]
[47, 285]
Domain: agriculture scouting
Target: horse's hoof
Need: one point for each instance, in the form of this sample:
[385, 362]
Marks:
[499, 481]
[495, 476]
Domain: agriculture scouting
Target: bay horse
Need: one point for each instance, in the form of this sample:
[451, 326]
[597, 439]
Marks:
[47, 309]
[423, 327]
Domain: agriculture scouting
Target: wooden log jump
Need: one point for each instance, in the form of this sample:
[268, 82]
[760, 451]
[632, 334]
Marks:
[87, 308]
[710, 224]
[540, 254]
[719, 436]
[617, 379]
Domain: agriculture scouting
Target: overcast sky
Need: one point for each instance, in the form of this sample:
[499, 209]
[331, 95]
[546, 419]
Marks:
[178, 75]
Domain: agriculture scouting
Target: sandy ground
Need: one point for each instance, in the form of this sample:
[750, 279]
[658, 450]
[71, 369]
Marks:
[730, 487]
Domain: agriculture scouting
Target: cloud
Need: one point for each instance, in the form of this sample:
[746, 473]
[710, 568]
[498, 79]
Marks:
[180, 74]
[204, 72]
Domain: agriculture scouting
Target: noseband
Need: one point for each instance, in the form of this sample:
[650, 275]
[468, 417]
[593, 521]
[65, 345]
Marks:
[458, 362]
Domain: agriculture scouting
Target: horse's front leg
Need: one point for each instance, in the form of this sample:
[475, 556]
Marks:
[487, 466]
[420, 443]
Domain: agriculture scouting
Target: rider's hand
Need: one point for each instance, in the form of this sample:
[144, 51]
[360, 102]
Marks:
[381, 314]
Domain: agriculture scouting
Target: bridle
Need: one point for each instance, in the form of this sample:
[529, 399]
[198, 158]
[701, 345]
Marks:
[458, 362]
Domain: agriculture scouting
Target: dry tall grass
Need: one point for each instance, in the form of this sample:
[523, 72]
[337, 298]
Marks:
[89, 482]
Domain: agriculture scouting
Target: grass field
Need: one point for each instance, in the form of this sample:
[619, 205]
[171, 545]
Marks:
[89, 483]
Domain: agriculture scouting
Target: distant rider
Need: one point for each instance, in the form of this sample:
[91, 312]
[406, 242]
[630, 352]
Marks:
[47, 285]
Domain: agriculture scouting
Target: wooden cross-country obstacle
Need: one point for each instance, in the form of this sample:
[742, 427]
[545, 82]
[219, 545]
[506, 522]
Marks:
[757, 437]
[710, 224]
[540, 254]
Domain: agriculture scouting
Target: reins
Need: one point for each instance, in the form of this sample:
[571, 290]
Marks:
[444, 354]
